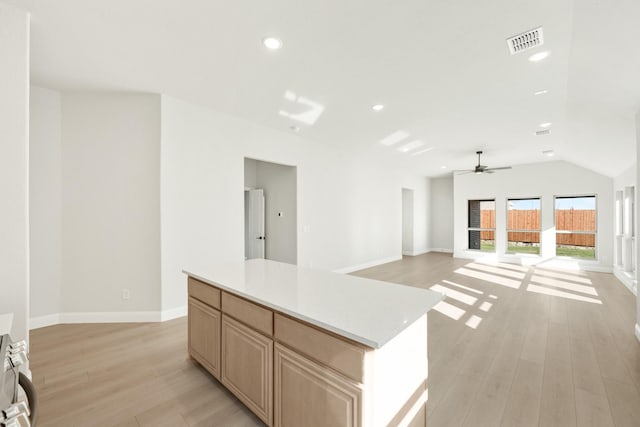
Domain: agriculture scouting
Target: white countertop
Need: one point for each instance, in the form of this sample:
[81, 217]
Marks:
[368, 311]
[5, 323]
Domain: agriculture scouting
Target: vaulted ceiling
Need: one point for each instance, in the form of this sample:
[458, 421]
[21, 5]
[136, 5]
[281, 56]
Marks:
[441, 68]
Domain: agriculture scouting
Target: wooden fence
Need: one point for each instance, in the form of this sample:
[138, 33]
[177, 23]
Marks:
[571, 220]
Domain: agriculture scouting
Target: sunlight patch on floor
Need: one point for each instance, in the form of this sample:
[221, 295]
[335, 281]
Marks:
[497, 270]
[473, 321]
[514, 267]
[549, 281]
[498, 280]
[449, 310]
[565, 276]
[456, 295]
[561, 294]
[485, 306]
[466, 288]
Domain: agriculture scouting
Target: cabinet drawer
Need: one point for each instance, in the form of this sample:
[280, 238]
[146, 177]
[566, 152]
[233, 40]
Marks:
[338, 354]
[259, 318]
[205, 293]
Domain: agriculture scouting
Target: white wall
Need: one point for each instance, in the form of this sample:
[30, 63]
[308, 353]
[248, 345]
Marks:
[110, 202]
[279, 184]
[14, 167]
[544, 180]
[441, 209]
[349, 209]
[421, 217]
[45, 202]
[407, 221]
[637, 185]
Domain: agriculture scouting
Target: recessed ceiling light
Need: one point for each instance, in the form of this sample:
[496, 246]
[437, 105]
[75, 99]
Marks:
[540, 92]
[443, 167]
[545, 124]
[549, 153]
[272, 43]
[538, 56]
[378, 107]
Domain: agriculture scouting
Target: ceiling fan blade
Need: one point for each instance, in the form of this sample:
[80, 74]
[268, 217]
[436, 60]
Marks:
[462, 172]
[498, 169]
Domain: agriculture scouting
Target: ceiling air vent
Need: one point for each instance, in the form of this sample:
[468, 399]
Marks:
[525, 41]
[543, 132]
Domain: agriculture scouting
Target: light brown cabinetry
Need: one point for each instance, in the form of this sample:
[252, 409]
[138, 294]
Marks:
[308, 394]
[204, 335]
[291, 373]
[247, 367]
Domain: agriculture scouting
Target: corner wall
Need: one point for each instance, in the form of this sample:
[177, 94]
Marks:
[14, 167]
[110, 205]
[442, 214]
[544, 180]
[637, 219]
[45, 201]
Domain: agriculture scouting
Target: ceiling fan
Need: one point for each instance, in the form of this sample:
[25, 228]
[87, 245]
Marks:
[480, 169]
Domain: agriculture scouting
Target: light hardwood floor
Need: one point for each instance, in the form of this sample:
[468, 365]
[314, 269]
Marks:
[511, 346]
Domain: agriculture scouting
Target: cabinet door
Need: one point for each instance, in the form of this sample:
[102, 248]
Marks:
[247, 367]
[204, 335]
[309, 395]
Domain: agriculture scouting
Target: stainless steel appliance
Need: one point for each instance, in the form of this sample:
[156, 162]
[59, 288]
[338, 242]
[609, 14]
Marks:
[18, 399]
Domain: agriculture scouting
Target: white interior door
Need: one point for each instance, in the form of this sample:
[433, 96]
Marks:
[256, 224]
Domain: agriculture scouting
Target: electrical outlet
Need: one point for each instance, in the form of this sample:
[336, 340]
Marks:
[126, 294]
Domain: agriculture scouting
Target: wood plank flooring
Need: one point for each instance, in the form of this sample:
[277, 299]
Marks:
[511, 346]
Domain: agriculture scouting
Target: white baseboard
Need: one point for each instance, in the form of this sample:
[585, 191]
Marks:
[597, 268]
[625, 279]
[638, 331]
[173, 313]
[44, 321]
[107, 317]
[443, 250]
[370, 264]
[415, 253]
[111, 317]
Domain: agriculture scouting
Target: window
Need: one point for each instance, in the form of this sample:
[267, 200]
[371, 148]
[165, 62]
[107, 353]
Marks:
[482, 225]
[523, 226]
[576, 227]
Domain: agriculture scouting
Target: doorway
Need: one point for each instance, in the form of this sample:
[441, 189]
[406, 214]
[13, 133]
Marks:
[254, 223]
[270, 200]
[407, 221]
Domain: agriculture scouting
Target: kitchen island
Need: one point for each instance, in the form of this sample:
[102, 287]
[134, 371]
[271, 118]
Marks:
[308, 348]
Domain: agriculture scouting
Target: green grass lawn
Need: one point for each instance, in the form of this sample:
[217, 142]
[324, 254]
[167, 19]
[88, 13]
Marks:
[569, 251]
[520, 249]
[491, 247]
[576, 252]
[487, 247]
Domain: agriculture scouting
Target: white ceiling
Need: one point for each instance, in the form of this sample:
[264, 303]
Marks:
[441, 68]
